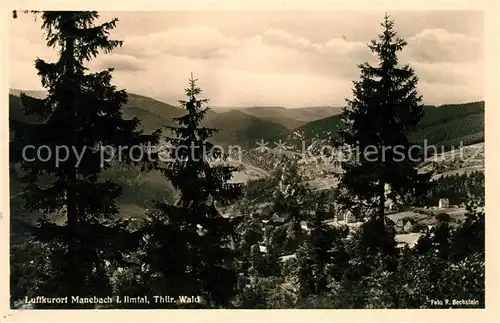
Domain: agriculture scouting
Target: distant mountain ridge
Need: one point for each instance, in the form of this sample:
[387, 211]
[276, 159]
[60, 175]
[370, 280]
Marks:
[290, 118]
[444, 125]
[32, 93]
[153, 113]
[238, 128]
[235, 127]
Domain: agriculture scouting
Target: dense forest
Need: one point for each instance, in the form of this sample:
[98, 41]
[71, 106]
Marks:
[458, 188]
[444, 126]
[147, 227]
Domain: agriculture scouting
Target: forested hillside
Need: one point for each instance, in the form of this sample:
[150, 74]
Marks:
[238, 128]
[445, 125]
[291, 118]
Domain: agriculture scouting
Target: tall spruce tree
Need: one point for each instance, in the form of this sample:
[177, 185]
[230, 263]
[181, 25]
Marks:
[192, 245]
[376, 122]
[81, 113]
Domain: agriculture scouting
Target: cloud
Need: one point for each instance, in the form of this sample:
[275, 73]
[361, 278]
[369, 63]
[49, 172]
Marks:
[450, 93]
[336, 57]
[335, 47]
[121, 63]
[275, 65]
[24, 50]
[194, 42]
[439, 45]
[448, 73]
[230, 86]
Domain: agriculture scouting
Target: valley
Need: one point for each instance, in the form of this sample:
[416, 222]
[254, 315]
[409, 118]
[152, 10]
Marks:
[246, 126]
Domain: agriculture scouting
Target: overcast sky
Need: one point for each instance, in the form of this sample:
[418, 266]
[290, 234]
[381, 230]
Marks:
[283, 58]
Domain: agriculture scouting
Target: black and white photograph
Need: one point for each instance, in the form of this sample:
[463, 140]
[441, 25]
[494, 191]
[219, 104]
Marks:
[262, 160]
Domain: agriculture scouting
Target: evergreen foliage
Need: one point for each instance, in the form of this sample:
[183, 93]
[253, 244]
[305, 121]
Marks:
[445, 126]
[322, 258]
[191, 243]
[82, 112]
[375, 126]
[458, 188]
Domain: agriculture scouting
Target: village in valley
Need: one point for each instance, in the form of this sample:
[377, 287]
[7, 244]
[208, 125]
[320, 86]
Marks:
[319, 173]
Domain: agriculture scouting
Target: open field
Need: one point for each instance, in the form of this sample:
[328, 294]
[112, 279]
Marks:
[245, 172]
[462, 160]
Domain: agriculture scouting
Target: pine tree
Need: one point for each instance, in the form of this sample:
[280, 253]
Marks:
[291, 202]
[82, 112]
[376, 122]
[322, 258]
[194, 245]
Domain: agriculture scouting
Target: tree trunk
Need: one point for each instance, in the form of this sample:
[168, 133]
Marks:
[381, 205]
[72, 219]
[71, 176]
